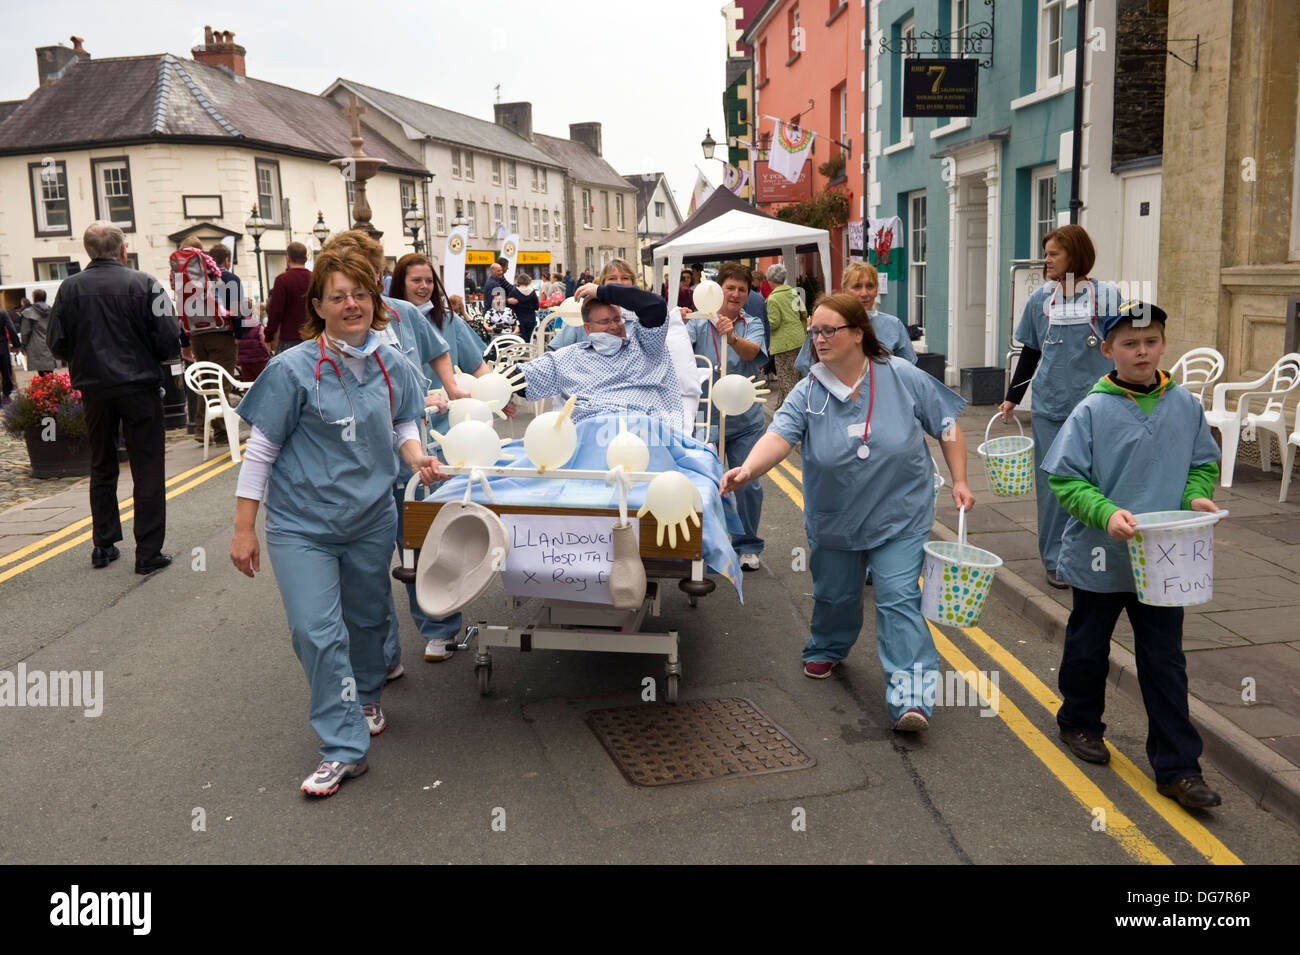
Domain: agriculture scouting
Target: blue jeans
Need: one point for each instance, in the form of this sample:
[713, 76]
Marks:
[334, 598]
[902, 638]
[448, 628]
[749, 499]
[1173, 745]
[1051, 516]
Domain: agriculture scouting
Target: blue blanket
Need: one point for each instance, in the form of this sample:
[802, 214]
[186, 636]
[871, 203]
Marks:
[669, 450]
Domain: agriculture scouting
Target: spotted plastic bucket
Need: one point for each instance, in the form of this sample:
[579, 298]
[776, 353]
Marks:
[1009, 461]
[956, 578]
[1172, 556]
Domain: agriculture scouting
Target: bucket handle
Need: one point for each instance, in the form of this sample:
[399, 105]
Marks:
[1216, 516]
[961, 534]
[989, 426]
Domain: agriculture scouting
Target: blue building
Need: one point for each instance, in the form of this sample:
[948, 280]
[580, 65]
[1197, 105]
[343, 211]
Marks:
[977, 194]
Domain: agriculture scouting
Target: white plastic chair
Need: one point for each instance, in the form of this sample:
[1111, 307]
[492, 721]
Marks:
[502, 346]
[1241, 423]
[1198, 370]
[1288, 461]
[210, 381]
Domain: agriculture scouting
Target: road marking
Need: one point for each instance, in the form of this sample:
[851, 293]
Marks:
[125, 517]
[1118, 826]
[794, 471]
[790, 490]
[1200, 838]
[34, 546]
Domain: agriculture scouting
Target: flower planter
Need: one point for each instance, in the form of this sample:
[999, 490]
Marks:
[66, 457]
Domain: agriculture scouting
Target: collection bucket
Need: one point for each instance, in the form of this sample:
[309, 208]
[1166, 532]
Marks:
[1009, 461]
[956, 579]
[1172, 556]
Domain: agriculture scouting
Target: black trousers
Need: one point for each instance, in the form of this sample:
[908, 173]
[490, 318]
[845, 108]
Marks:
[1173, 745]
[140, 416]
[6, 368]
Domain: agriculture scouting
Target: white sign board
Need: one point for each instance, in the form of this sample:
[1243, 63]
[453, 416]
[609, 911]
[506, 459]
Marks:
[560, 556]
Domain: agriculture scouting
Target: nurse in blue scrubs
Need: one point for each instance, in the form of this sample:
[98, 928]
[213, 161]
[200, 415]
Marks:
[861, 280]
[326, 417]
[861, 417]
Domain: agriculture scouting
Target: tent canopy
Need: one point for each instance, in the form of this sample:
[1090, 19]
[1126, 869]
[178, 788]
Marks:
[719, 201]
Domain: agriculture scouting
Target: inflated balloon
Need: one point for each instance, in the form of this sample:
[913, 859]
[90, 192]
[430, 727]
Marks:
[671, 499]
[628, 450]
[734, 394]
[468, 409]
[551, 438]
[707, 296]
[570, 311]
[494, 389]
[470, 444]
[463, 381]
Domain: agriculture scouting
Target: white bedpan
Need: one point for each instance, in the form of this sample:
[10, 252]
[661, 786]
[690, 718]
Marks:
[465, 546]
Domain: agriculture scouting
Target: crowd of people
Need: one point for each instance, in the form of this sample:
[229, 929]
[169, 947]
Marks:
[342, 374]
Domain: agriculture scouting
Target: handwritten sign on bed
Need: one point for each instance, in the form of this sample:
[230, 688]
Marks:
[560, 556]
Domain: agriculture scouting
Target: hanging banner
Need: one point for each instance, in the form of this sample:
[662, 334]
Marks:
[791, 145]
[703, 189]
[734, 179]
[453, 263]
[940, 87]
[855, 238]
[770, 186]
[510, 249]
[885, 250]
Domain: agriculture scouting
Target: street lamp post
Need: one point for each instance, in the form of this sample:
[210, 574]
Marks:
[413, 220]
[320, 231]
[708, 144]
[256, 227]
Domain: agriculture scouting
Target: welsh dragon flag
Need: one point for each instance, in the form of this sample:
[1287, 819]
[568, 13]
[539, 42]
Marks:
[791, 145]
[885, 250]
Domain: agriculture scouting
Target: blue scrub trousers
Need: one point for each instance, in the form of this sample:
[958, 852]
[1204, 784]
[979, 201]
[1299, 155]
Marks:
[1173, 745]
[448, 628]
[1051, 516]
[902, 638]
[749, 499]
[336, 597]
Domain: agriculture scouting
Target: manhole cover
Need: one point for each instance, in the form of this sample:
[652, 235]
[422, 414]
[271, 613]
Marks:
[657, 745]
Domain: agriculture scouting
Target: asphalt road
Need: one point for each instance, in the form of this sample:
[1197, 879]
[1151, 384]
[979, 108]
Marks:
[204, 720]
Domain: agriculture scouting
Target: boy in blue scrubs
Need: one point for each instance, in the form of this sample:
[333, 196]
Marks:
[1137, 443]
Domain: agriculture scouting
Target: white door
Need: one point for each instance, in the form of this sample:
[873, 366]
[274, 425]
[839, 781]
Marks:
[1139, 262]
[972, 280]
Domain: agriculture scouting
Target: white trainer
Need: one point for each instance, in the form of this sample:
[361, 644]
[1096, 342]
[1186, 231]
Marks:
[375, 719]
[749, 562]
[325, 781]
[435, 651]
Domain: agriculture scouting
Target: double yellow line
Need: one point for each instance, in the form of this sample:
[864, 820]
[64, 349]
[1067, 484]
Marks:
[1089, 794]
[185, 481]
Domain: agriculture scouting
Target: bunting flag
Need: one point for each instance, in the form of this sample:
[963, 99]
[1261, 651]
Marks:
[735, 179]
[453, 263]
[791, 145]
[703, 189]
[885, 249]
[510, 249]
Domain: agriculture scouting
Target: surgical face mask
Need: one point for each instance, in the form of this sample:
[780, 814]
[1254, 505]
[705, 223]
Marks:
[368, 346]
[604, 343]
[426, 308]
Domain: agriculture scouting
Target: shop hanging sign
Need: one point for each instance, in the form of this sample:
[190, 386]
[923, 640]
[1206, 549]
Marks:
[940, 87]
[774, 187]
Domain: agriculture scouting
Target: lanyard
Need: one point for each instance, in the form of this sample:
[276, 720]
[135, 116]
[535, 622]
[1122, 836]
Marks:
[351, 408]
[717, 352]
[1092, 319]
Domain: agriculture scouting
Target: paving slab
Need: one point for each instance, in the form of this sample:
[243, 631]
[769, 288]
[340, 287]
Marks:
[1259, 626]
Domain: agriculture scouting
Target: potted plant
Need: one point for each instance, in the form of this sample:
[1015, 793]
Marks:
[49, 415]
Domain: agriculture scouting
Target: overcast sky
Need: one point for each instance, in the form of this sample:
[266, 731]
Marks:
[652, 74]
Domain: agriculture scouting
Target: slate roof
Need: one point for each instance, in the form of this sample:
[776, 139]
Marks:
[582, 163]
[161, 97]
[646, 183]
[7, 107]
[448, 125]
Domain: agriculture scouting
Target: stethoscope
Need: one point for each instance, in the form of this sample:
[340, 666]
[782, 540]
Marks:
[863, 451]
[1092, 319]
[351, 408]
[717, 352]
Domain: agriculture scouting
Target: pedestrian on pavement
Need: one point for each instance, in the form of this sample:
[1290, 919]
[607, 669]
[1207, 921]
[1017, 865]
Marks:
[743, 335]
[861, 417]
[253, 353]
[1060, 332]
[1137, 443]
[115, 327]
[324, 416]
[9, 338]
[35, 335]
[569, 285]
[788, 320]
[287, 308]
[862, 281]
[684, 297]
[495, 280]
[523, 301]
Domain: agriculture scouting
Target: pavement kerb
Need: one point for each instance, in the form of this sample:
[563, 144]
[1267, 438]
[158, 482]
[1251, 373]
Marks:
[1269, 779]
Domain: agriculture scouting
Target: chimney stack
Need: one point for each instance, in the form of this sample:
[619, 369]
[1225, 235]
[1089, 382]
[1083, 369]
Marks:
[586, 133]
[516, 117]
[53, 61]
[220, 49]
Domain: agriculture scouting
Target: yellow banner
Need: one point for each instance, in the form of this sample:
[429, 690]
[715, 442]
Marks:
[473, 257]
[534, 258]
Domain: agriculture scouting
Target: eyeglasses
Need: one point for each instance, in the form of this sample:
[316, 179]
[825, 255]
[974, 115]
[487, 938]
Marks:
[826, 333]
[361, 297]
[606, 322]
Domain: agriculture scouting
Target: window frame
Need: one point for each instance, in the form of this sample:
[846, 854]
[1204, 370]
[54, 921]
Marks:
[587, 208]
[469, 165]
[402, 185]
[96, 165]
[535, 179]
[440, 215]
[905, 126]
[471, 215]
[1046, 10]
[546, 176]
[512, 174]
[793, 25]
[555, 224]
[455, 163]
[918, 241]
[620, 213]
[496, 170]
[537, 224]
[1037, 177]
[514, 220]
[958, 27]
[659, 209]
[63, 260]
[275, 221]
[33, 176]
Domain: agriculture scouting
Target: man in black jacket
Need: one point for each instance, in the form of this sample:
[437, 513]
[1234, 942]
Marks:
[115, 326]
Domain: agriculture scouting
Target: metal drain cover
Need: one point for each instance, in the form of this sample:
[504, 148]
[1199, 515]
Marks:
[658, 745]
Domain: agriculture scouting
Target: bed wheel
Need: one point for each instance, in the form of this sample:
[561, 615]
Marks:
[670, 688]
[484, 674]
[697, 588]
[692, 600]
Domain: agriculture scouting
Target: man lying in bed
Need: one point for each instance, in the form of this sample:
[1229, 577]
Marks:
[619, 367]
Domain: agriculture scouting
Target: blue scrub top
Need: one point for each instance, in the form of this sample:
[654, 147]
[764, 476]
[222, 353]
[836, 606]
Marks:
[890, 332]
[856, 504]
[1069, 366]
[706, 341]
[330, 481]
[417, 338]
[466, 351]
[1139, 463]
